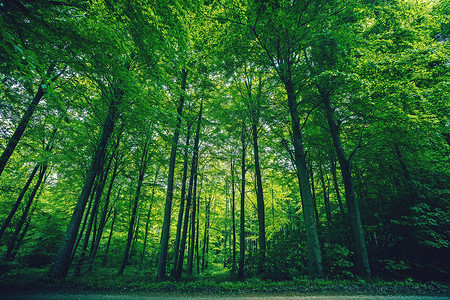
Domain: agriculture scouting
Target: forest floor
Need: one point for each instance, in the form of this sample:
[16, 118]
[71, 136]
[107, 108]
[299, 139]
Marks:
[104, 296]
[105, 284]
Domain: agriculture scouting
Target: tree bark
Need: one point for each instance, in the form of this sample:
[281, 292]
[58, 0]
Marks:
[182, 200]
[17, 135]
[189, 196]
[190, 262]
[233, 217]
[23, 218]
[162, 261]
[198, 227]
[18, 201]
[62, 261]
[206, 235]
[242, 217]
[313, 247]
[85, 220]
[353, 209]
[98, 193]
[259, 202]
[326, 200]
[105, 258]
[313, 190]
[147, 222]
[102, 223]
[335, 182]
[142, 170]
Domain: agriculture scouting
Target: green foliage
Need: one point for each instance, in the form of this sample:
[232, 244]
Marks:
[383, 63]
[337, 259]
[286, 257]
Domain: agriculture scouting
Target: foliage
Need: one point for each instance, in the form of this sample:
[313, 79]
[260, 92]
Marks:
[384, 66]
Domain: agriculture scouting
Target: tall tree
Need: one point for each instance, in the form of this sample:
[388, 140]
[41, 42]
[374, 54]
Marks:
[165, 233]
[142, 169]
[242, 215]
[189, 196]
[182, 201]
[62, 261]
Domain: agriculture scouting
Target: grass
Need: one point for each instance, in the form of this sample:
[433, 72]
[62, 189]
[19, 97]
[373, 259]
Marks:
[215, 281]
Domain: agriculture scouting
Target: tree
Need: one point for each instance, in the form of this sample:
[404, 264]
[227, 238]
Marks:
[161, 271]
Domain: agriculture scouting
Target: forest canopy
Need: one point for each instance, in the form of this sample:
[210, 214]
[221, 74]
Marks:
[268, 138]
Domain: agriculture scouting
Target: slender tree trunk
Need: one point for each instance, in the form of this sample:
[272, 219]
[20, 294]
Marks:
[105, 258]
[242, 219]
[165, 233]
[17, 135]
[313, 247]
[27, 223]
[198, 230]
[313, 190]
[189, 196]
[22, 236]
[206, 235]
[190, 262]
[147, 223]
[135, 237]
[85, 220]
[182, 199]
[18, 201]
[259, 203]
[142, 170]
[62, 261]
[92, 219]
[23, 218]
[353, 209]
[102, 223]
[335, 182]
[326, 200]
[233, 217]
[47, 149]
[225, 232]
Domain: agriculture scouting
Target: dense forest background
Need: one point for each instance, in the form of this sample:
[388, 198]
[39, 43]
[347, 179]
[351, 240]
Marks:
[269, 138]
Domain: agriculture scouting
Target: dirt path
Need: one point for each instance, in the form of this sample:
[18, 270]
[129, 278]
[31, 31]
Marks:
[141, 296]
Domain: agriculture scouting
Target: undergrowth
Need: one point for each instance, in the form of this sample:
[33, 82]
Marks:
[211, 282]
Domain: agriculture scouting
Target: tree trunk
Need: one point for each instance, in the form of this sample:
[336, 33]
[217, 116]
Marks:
[23, 218]
[206, 235]
[142, 170]
[182, 199]
[22, 235]
[190, 262]
[102, 223]
[85, 220]
[225, 232]
[98, 193]
[135, 237]
[105, 258]
[313, 190]
[242, 219]
[313, 248]
[233, 217]
[18, 201]
[162, 261]
[147, 222]
[353, 209]
[259, 202]
[335, 182]
[326, 200]
[17, 135]
[62, 261]
[189, 196]
[198, 228]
